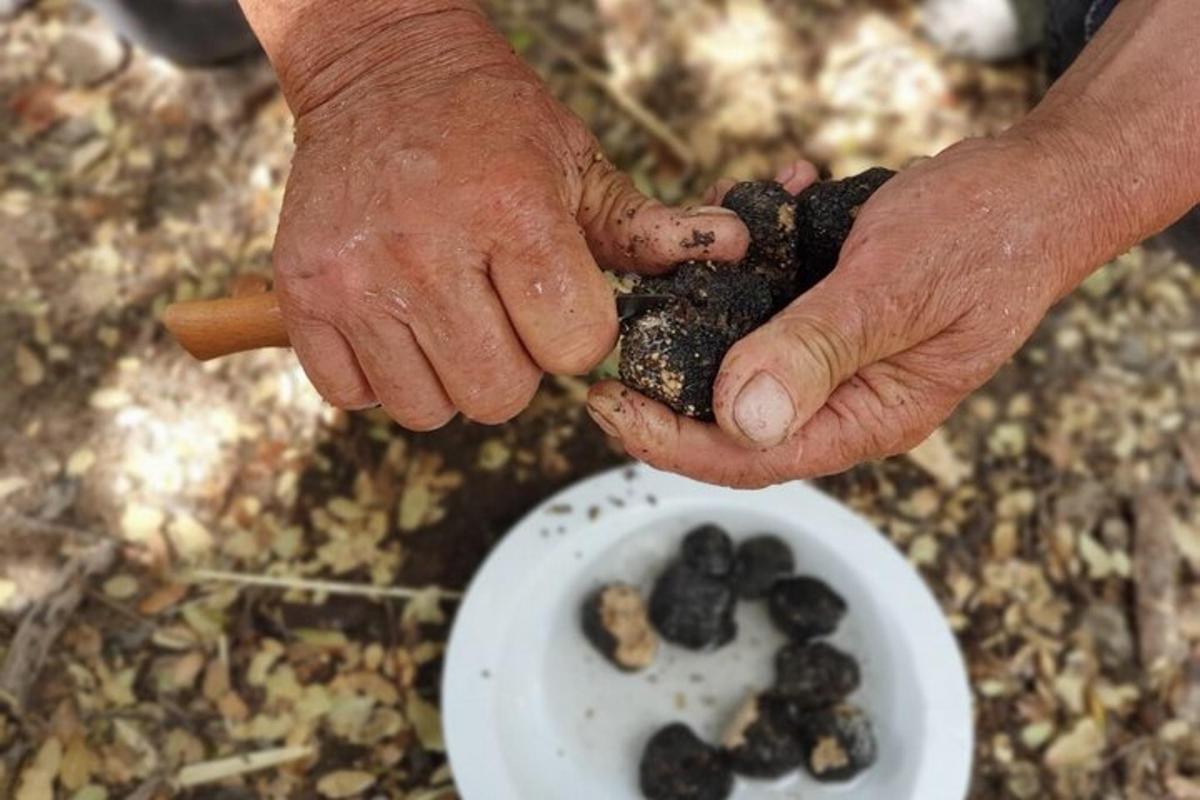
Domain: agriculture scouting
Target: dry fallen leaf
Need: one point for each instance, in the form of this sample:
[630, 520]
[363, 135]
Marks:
[141, 523]
[30, 371]
[1079, 747]
[427, 721]
[937, 457]
[37, 780]
[345, 783]
[121, 587]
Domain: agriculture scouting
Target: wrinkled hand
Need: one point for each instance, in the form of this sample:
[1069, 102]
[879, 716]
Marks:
[945, 274]
[439, 239]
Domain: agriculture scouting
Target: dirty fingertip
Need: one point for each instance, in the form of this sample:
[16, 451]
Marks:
[607, 407]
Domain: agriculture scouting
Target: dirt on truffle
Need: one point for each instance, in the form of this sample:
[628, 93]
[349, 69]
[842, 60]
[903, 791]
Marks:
[674, 352]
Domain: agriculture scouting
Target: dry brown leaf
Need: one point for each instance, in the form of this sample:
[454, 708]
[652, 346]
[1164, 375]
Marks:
[1079, 747]
[30, 370]
[162, 598]
[937, 457]
[345, 783]
[37, 780]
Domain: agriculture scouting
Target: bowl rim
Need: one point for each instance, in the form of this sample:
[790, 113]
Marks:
[468, 711]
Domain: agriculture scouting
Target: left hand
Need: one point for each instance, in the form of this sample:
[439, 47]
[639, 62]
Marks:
[948, 270]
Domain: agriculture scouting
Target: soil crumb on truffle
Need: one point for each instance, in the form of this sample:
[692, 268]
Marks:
[677, 765]
[616, 623]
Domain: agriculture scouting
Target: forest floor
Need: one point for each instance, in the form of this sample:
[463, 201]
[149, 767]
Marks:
[142, 495]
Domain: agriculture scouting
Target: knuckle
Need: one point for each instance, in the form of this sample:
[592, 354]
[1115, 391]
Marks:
[577, 351]
[822, 345]
[349, 396]
[422, 420]
[873, 431]
[521, 207]
[318, 286]
[498, 401]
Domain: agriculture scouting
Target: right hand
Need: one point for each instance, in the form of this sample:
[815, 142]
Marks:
[949, 268]
[438, 245]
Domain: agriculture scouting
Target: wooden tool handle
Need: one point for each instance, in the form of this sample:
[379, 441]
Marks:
[212, 328]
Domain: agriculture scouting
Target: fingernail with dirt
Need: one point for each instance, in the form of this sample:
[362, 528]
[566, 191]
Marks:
[601, 410]
[764, 410]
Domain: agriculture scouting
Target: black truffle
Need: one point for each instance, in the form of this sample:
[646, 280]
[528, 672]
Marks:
[761, 561]
[615, 622]
[804, 608]
[815, 674]
[677, 765]
[839, 743]
[763, 740]
[769, 212]
[708, 549]
[825, 212]
[693, 610]
[673, 353]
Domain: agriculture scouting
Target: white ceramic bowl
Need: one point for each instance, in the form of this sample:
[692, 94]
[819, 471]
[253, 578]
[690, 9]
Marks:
[532, 712]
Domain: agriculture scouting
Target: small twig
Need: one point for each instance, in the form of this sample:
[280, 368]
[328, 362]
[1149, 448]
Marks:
[119, 608]
[222, 768]
[12, 759]
[24, 522]
[146, 790]
[1124, 751]
[45, 620]
[630, 105]
[305, 584]
[1156, 568]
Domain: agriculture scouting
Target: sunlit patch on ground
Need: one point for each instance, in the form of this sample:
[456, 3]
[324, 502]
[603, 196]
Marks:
[885, 98]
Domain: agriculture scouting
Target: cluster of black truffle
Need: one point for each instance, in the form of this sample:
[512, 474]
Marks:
[672, 353]
[801, 721]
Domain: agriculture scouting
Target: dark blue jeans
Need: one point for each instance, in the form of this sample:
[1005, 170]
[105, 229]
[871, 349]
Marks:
[1070, 25]
[188, 32]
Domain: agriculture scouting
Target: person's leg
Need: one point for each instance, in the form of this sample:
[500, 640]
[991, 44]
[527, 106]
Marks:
[189, 32]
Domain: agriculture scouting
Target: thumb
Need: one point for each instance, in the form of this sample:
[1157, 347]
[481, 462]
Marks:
[628, 231]
[776, 379]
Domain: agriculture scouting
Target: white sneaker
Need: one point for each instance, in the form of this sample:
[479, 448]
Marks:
[986, 30]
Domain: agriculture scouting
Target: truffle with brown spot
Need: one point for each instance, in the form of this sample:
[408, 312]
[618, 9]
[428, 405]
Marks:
[839, 743]
[763, 739]
[615, 622]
